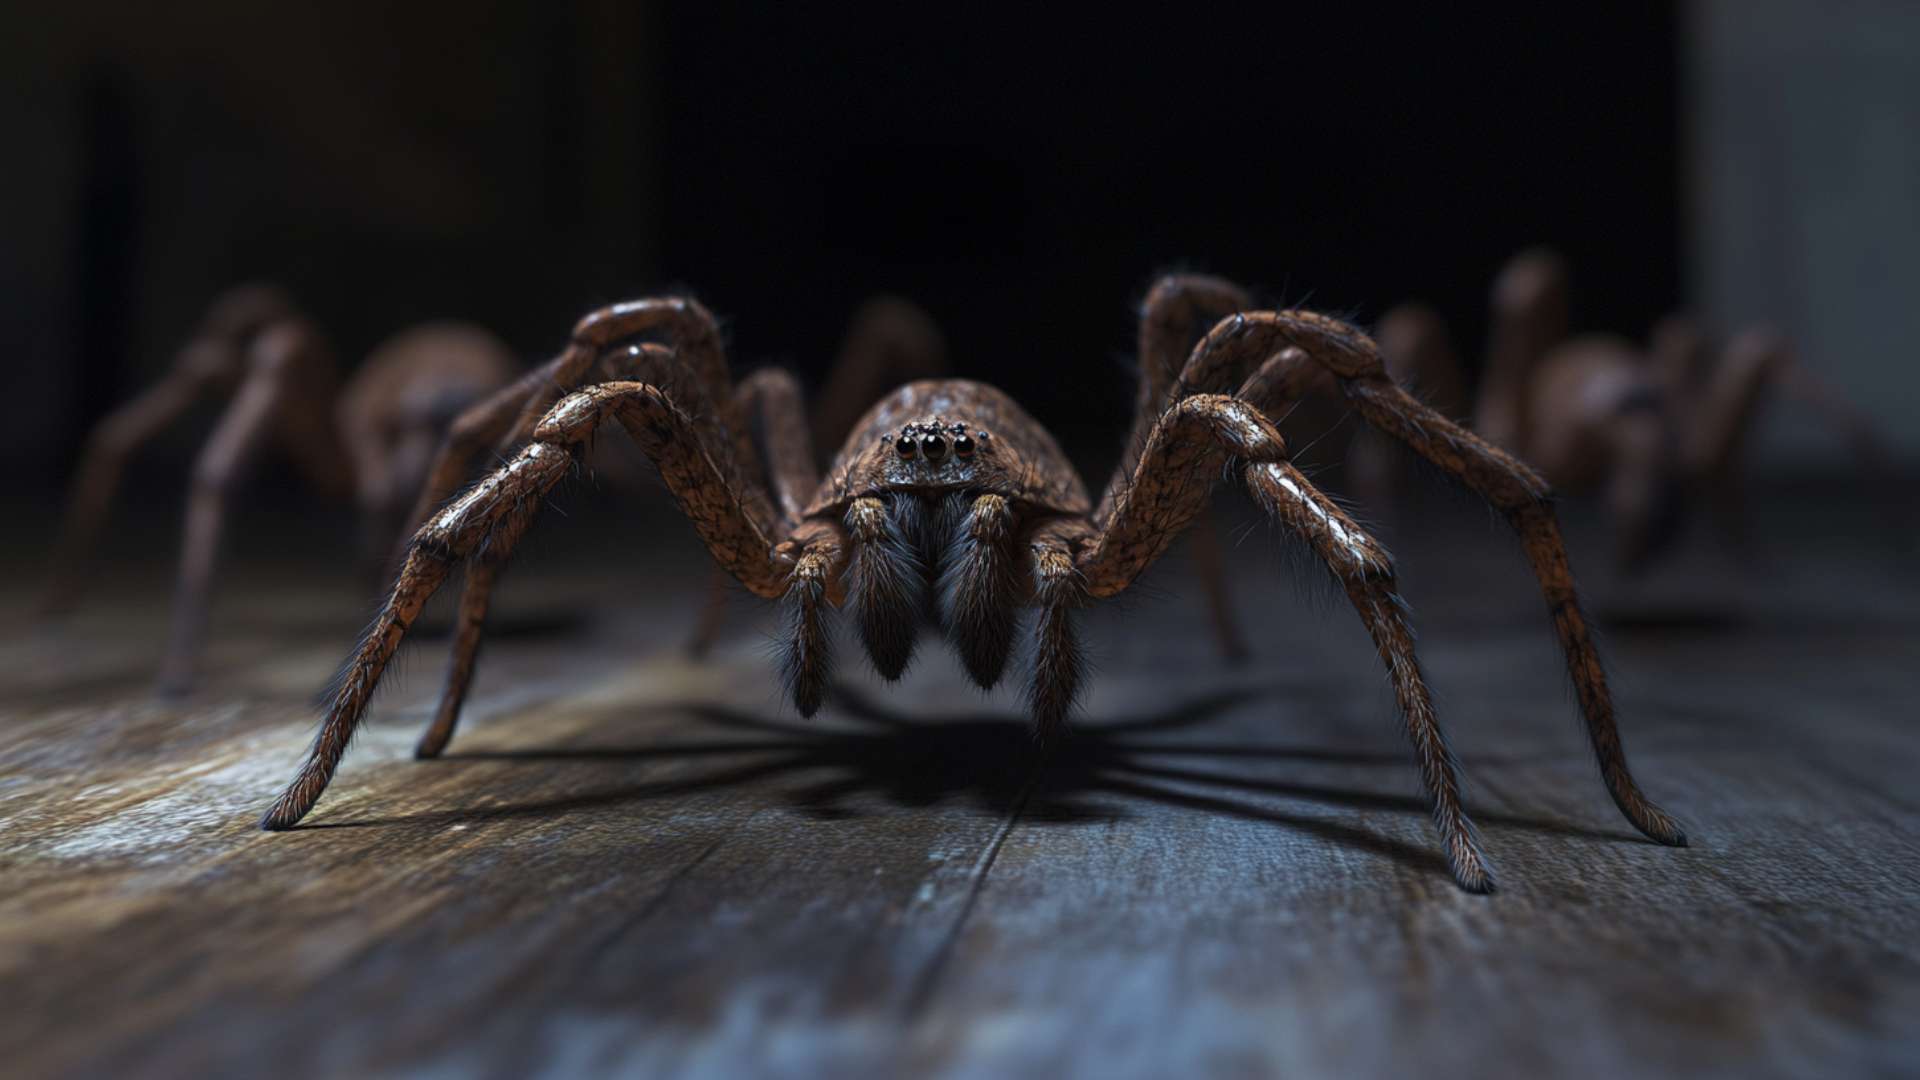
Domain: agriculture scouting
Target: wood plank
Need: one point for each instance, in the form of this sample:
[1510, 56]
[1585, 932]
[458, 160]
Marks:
[635, 863]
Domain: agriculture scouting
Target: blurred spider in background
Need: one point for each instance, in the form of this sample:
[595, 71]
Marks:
[1657, 431]
[371, 436]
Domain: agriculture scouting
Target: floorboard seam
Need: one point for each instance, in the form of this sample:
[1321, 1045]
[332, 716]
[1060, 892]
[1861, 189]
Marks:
[923, 986]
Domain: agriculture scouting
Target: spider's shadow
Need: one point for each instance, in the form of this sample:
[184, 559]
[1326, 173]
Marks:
[991, 764]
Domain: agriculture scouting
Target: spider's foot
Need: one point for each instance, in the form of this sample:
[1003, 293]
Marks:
[1470, 870]
[439, 733]
[284, 814]
[1658, 827]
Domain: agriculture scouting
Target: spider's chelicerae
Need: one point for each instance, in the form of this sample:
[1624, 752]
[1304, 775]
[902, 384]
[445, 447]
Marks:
[949, 503]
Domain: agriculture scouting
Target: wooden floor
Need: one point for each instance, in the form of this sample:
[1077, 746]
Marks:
[632, 863]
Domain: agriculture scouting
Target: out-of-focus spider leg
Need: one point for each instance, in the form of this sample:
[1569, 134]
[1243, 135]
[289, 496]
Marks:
[1176, 310]
[272, 376]
[738, 526]
[889, 341]
[1246, 341]
[1203, 541]
[1419, 356]
[1169, 489]
[506, 419]
[769, 402]
[1868, 443]
[109, 446]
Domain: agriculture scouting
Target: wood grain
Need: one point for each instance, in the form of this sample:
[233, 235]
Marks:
[632, 863]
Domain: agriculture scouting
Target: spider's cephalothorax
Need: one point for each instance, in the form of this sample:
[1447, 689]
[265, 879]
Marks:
[948, 504]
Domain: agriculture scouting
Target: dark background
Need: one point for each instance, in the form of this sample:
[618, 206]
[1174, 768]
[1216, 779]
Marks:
[1021, 172]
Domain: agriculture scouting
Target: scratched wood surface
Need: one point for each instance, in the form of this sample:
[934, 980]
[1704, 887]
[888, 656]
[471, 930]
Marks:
[635, 864]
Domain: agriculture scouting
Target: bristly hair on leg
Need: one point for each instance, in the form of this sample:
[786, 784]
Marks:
[886, 582]
[806, 652]
[1058, 662]
[978, 588]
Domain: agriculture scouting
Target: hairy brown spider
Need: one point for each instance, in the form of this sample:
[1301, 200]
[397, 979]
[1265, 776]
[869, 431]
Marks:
[949, 504]
[373, 436]
[1655, 430]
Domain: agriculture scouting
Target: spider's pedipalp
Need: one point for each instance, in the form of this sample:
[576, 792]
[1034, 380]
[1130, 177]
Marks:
[979, 589]
[886, 580]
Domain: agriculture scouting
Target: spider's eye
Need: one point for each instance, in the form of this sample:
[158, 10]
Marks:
[904, 446]
[963, 445]
[935, 446]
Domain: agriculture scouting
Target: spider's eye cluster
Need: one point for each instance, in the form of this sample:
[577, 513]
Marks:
[937, 440]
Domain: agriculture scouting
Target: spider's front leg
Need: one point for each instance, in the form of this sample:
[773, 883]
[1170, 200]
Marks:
[736, 523]
[1170, 486]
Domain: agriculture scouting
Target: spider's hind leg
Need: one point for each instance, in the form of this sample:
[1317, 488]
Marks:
[1170, 489]
[1284, 346]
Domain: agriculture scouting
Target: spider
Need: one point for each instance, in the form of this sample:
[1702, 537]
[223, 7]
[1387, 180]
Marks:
[373, 436]
[1656, 430]
[888, 341]
[949, 504]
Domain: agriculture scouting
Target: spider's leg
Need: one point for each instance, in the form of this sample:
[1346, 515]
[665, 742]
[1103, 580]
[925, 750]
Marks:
[1296, 339]
[483, 426]
[1176, 310]
[769, 404]
[235, 442]
[979, 588]
[1058, 588]
[737, 525]
[889, 341]
[476, 595]
[806, 660]
[1184, 452]
[109, 446]
[651, 363]
[507, 418]
[1203, 542]
[1365, 571]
